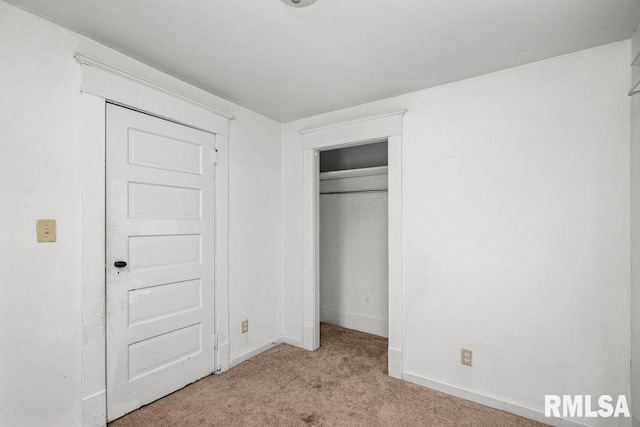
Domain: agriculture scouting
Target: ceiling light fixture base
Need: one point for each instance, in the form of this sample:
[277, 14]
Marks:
[298, 3]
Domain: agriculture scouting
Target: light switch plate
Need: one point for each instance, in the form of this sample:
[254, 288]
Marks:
[46, 230]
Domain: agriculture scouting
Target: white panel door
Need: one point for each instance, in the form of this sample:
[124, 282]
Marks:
[160, 222]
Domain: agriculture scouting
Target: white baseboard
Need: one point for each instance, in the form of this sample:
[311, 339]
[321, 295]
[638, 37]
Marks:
[94, 410]
[296, 342]
[223, 357]
[254, 352]
[309, 338]
[355, 322]
[395, 362]
[492, 401]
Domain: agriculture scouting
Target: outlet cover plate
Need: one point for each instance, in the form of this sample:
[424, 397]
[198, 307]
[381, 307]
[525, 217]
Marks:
[466, 357]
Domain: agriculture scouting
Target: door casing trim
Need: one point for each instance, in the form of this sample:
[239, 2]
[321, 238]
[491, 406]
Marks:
[101, 84]
[361, 130]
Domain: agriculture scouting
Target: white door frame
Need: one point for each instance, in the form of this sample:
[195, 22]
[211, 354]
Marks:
[101, 84]
[385, 126]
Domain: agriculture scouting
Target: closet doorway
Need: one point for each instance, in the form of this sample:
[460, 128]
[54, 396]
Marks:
[349, 133]
[354, 238]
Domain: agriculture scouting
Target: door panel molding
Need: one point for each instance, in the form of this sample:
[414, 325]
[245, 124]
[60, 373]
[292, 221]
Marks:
[151, 359]
[101, 86]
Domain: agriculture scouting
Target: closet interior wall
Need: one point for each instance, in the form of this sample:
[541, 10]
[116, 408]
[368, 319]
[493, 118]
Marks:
[354, 238]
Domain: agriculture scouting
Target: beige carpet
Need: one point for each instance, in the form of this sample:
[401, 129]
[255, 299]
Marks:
[344, 383]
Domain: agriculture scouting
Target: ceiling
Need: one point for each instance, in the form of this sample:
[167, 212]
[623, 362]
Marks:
[291, 63]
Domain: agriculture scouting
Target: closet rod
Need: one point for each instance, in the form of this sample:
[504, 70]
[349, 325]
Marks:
[355, 192]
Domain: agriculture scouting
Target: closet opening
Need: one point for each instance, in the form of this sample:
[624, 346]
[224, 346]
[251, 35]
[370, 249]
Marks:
[354, 240]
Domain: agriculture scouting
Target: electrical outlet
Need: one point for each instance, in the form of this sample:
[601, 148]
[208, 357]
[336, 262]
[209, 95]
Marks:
[245, 326]
[467, 357]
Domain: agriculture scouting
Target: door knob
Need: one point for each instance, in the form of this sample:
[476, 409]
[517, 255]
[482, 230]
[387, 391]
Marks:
[120, 264]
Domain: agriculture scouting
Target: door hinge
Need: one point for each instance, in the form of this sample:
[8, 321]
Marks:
[215, 341]
[215, 156]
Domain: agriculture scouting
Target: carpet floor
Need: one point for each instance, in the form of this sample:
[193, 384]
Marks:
[344, 383]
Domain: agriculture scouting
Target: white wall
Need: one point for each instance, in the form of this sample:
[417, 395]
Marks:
[515, 228]
[40, 160]
[635, 256]
[354, 253]
[635, 250]
[40, 175]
